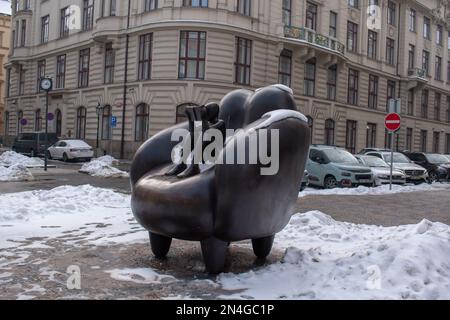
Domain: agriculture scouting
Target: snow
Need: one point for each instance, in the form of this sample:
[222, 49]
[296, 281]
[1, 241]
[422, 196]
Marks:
[381, 190]
[140, 276]
[10, 158]
[15, 173]
[103, 167]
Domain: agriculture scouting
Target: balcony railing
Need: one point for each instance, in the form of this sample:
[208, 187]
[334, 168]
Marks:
[311, 36]
[417, 73]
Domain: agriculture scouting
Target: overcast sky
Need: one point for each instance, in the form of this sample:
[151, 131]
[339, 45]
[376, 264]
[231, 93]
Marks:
[5, 7]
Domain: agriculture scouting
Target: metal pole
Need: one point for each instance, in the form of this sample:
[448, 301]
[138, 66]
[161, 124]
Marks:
[98, 128]
[46, 132]
[392, 159]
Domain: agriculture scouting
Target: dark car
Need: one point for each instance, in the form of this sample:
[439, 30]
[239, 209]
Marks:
[437, 165]
[33, 143]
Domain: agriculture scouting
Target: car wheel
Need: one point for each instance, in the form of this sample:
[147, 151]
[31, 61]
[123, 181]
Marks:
[65, 157]
[433, 176]
[330, 182]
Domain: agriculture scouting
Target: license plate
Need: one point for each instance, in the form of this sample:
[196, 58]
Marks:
[364, 181]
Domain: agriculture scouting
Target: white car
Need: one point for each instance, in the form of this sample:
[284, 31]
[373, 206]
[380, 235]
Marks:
[70, 150]
[382, 171]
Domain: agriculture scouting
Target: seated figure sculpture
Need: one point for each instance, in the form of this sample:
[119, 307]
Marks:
[227, 202]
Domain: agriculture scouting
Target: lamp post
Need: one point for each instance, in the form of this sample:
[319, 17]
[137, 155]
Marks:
[99, 110]
[46, 85]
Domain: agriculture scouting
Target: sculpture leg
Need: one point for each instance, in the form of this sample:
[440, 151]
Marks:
[160, 245]
[263, 246]
[214, 255]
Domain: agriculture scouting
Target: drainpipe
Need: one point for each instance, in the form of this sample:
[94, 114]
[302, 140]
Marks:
[125, 81]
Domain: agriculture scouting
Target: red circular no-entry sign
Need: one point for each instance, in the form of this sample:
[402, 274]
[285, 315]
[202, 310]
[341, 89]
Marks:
[393, 121]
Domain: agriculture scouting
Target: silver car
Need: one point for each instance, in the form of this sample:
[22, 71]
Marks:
[382, 171]
[414, 173]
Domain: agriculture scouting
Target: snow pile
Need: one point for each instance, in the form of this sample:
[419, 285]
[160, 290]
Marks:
[382, 190]
[103, 167]
[10, 158]
[140, 276]
[15, 172]
[326, 259]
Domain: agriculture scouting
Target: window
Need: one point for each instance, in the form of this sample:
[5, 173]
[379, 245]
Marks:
[391, 86]
[88, 14]
[45, 24]
[81, 123]
[22, 73]
[8, 82]
[142, 122]
[437, 106]
[329, 132]
[411, 56]
[285, 68]
[353, 86]
[411, 98]
[58, 117]
[436, 142]
[372, 44]
[311, 15]
[195, 3]
[109, 63]
[37, 120]
[287, 12]
[352, 37]
[447, 143]
[448, 71]
[244, 7]
[350, 143]
[106, 123]
[424, 109]
[311, 126]
[83, 68]
[26, 5]
[192, 55]
[23, 33]
[439, 32]
[333, 24]
[16, 34]
[353, 3]
[145, 56]
[332, 82]
[390, 51]
[65, 20]
[373, 92]
[60, 71]
[438, 69]
[409, 139]
[426, 62]
[448, 109]
[426, 28]
[243, 61]
[391, 13]
[112, 8]
[371, 137]
[6, 123]
[40, 74]
[151, 5]
[448, 40]
[19, 121]
[310, 77]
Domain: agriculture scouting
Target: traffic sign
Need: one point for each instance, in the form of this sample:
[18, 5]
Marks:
[113, 122]
[393, 122]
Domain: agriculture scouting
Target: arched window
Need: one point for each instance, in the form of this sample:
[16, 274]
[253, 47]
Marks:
[81, 123]
[329, 132]
[58, 117]
[106, 123]
[311, 126]
[19, 121]
[181, 115]
[142, 122]
[37, 120]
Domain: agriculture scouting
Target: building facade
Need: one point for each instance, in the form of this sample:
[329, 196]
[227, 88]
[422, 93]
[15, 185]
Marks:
[140, 62]
[5, 30]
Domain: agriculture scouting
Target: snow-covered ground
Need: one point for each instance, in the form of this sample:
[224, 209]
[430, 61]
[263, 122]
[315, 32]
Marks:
[15, 173]
[10, 158]
[382, 190]
[103, 167]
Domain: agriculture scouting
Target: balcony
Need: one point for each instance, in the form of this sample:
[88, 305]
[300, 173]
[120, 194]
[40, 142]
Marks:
[417, 78]
[312, 37]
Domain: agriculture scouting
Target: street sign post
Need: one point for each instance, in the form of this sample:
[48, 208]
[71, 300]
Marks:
[392, 124]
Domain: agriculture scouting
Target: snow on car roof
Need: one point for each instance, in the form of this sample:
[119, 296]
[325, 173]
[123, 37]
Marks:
[76, 143]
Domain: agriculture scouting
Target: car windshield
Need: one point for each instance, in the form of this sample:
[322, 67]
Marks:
[78, 144]
[375, 162]
[437, 158]
[341, 156]
[398, 158]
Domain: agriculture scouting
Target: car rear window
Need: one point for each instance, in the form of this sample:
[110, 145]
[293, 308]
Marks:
[78, 144]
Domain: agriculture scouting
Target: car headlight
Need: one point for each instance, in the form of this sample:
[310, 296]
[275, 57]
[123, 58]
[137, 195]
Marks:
[383, 177]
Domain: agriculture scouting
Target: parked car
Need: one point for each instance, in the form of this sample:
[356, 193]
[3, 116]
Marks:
[365, 150]
[382, 171]
[414, 173]
[305, 181]
[438, 165]
[71, 150]
[332, 167]
[33, 143]
[447, 156]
